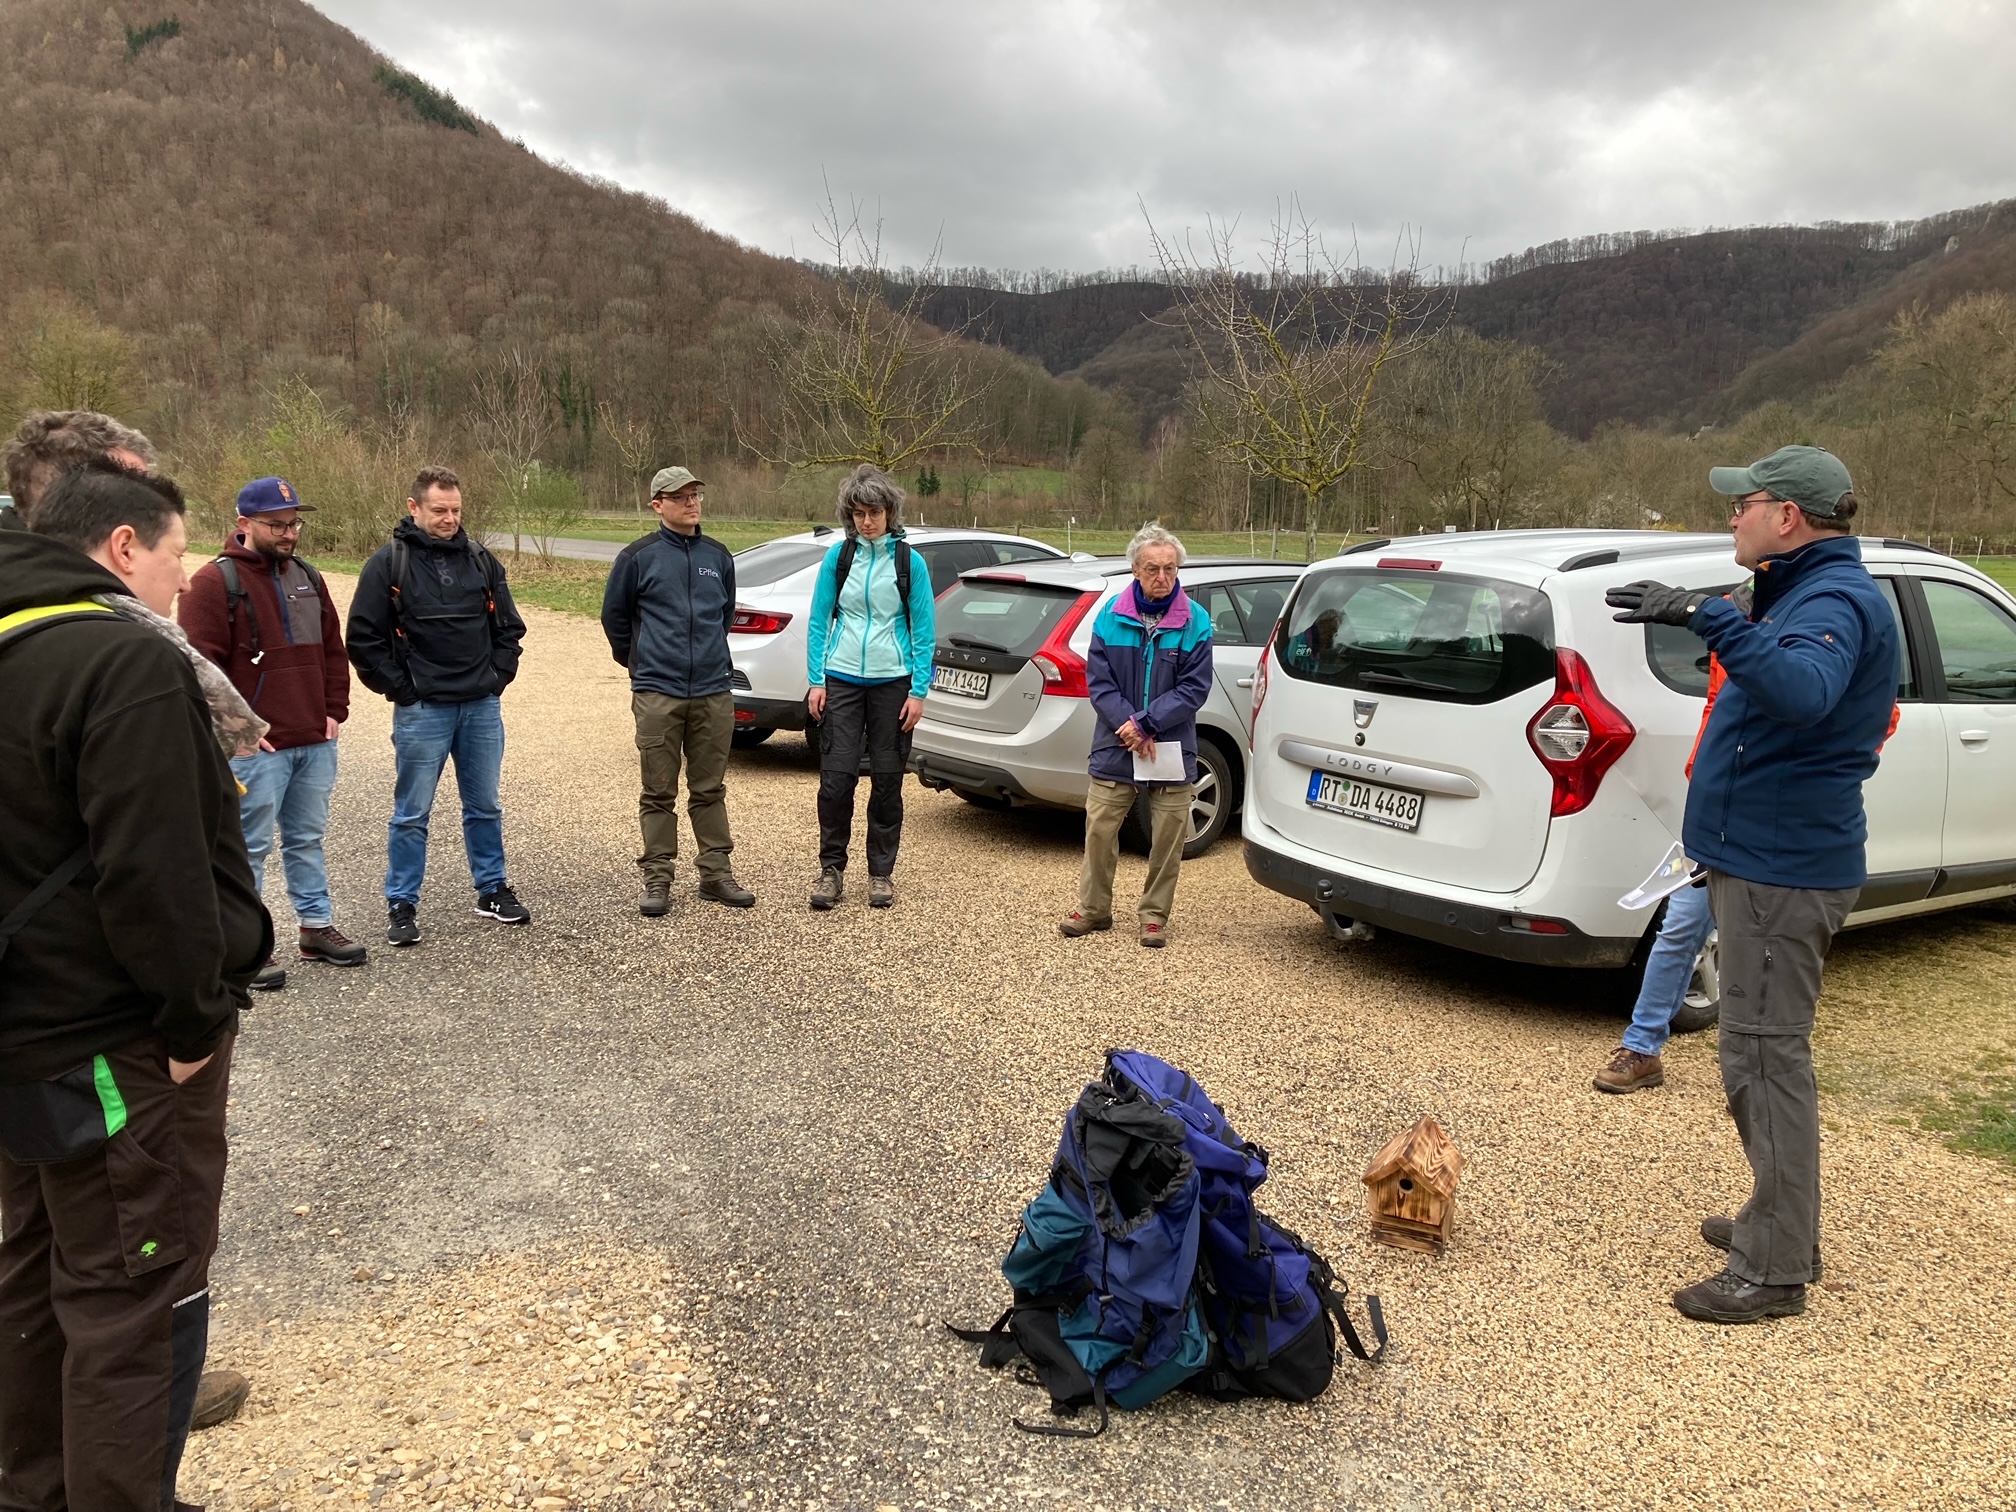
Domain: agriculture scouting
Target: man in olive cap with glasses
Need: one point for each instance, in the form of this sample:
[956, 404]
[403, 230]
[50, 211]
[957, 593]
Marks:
[1774, 812]
[666, 612]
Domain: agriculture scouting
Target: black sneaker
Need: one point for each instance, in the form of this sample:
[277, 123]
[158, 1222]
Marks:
[503, 906]
[401, 927]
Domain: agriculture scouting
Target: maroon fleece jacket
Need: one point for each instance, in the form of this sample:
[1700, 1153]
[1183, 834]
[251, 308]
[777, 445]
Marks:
[302, 676]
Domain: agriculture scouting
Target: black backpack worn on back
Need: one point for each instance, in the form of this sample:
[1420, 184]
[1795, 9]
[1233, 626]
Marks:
[846, 565]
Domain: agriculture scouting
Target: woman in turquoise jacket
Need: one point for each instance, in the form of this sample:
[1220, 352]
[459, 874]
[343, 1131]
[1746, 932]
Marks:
[868, 655]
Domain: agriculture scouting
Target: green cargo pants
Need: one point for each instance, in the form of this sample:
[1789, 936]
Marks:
[695, 731]
[1106, 806]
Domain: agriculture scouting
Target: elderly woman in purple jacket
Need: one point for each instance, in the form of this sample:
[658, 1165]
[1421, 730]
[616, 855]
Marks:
[1149, 672]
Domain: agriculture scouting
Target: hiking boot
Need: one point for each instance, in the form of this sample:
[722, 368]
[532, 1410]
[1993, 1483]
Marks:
[727, 890]
[401, 928]
[881, 893]
[502, 905]
[271, 977]
[1154, 936]
[656, 901]
[1077, 925]
[219, 1395]
[829, 891]
[328, 943]
[1721, 1232]
[1728, 1298]
[1628, 1071]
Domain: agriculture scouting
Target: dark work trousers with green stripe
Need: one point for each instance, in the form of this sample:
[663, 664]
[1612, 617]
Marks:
[104, 1295]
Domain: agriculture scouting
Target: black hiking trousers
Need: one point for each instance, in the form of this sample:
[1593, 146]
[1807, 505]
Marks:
[862, 717]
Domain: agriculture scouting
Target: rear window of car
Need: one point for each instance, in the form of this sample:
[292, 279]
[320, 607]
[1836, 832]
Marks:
[1420, 634]
[1013, 619]
[774, 561]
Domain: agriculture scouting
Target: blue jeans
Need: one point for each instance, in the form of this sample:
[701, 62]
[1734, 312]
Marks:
[1669, 968]
[290, 789]
[424, 736]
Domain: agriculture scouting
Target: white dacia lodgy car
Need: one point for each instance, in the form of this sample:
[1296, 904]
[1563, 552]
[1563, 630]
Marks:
[1454, 738]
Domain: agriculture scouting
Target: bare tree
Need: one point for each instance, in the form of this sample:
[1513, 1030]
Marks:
[865, 380]
[634, 440]
[1464, 416]
[1285, 361]
[514, 418]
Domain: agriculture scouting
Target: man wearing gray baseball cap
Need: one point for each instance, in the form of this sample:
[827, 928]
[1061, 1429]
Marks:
[666, 612]
[1774, 812]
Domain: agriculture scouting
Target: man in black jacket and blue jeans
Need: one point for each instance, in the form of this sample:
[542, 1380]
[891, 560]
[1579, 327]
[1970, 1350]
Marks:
[666, 611]
[433, 629]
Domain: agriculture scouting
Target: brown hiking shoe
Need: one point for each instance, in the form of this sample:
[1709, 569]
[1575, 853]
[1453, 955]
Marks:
[1628, 1071]
[1076, 925]
[881, 893]
[1721, 1232]
[830, 890]
[1728, 1298]
[219, 1395]
[328, 943]
[1154, 936]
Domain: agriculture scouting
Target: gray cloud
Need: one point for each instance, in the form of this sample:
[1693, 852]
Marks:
[1027, 134]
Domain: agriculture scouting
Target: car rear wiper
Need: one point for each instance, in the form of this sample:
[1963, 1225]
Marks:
[1401, 680]
[974, 643]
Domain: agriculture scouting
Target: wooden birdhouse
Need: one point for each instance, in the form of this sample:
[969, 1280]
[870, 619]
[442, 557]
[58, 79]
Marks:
[1410, 1188]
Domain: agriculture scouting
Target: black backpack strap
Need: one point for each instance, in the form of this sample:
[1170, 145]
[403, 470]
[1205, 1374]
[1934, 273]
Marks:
[997, 1344]
[1058, 1430]
[841, 568]
[903, 584]
[402, 559]
[1333, 1298]
[72, 867]
[234, 595]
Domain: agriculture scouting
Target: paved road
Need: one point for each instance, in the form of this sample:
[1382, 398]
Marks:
[829, 1123]
[561, 546]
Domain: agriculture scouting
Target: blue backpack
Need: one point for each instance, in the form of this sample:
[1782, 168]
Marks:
[1143, 1266]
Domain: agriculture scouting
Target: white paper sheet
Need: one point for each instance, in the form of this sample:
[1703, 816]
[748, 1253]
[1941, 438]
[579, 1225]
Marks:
[1673, 872]
[1167, 765]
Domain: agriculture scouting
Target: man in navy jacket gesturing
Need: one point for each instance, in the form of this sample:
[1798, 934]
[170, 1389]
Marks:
[1775, 813]
[666, 611]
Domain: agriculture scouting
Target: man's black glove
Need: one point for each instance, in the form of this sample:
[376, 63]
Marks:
[1656, 603]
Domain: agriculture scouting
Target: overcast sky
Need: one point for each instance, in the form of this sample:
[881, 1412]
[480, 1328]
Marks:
[1029, 134]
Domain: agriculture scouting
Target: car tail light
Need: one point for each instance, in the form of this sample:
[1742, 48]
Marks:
[1259, 693]
[1064, 669]
[1411, 564]
[756, 622]
[1579, 735]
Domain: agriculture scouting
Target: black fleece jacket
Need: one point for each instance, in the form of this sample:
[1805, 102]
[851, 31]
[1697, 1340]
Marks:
[107, 739]
[454, 650]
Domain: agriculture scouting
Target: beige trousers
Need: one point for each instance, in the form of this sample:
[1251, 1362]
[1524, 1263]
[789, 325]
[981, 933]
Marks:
[1106, 805]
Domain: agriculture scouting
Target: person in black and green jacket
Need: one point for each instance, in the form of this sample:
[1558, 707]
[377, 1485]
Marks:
[868, 655]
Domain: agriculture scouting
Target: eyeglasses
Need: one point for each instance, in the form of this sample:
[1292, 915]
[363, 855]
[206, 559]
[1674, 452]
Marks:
[679, 498]
[292, 527]
[1742, 506]
[864, 511]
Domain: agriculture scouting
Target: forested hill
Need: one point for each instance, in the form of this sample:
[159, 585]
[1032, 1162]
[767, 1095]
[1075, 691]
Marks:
[1676, 330]
[245, 190]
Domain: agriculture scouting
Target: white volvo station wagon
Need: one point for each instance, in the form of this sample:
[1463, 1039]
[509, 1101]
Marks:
[1454, 738]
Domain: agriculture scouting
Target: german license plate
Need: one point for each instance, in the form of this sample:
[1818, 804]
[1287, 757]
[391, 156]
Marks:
[960, 680]
[1392, 807]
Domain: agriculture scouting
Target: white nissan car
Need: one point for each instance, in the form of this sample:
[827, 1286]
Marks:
[773, 598]
[1455, 739]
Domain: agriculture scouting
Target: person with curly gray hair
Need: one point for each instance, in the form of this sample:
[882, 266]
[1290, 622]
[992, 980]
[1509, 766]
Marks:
[49, 443]
[869, 647]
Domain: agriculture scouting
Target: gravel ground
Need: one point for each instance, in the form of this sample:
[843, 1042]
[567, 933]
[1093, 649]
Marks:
[780, 1147]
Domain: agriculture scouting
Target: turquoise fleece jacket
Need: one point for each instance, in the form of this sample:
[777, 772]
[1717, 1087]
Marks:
[865, 642]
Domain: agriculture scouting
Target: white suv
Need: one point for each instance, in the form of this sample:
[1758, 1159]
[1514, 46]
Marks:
[1455, 739]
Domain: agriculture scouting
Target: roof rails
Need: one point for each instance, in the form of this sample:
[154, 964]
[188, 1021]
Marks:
[1900, 544]
[1366, 546]
[1591, 559]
